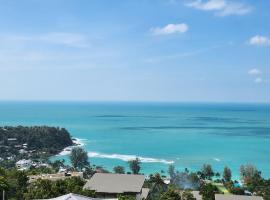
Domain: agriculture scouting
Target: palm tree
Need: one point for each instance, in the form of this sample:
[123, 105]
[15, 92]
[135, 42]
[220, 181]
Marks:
[3, 185]
[158, 186]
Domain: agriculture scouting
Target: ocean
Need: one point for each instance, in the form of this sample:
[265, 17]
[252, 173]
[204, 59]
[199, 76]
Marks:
[184, 134]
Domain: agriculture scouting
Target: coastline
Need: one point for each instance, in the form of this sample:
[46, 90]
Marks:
[77, 142]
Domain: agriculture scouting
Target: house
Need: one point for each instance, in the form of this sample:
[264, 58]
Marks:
[236, 197]
[24, 164]
[197, 196]
[72, 196]
[108, 185]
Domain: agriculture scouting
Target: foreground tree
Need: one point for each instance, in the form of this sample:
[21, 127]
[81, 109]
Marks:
[79, 158]
[3, 186]
[208, 191]
[47, 189]
[135, 165]
[170, 195]
[119, 170]
[187, 195]
[227, 174]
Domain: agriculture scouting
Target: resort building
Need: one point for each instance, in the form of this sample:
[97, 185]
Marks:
[24, 164]
[55, 177]
[72, 196]
[109, 186]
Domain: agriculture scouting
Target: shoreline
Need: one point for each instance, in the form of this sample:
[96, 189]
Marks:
[77, 142]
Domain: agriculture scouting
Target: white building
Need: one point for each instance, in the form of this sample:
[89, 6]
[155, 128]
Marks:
[24, 164]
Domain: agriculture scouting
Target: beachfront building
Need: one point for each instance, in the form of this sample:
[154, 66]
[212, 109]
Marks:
[109, 186]
[72, 196]
[24, 164]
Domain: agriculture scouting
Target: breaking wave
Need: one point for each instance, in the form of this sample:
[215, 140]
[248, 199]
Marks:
[128, 158]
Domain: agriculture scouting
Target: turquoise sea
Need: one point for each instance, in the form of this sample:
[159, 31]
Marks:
[186, 134]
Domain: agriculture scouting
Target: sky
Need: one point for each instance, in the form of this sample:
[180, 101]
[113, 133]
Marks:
[135, 50]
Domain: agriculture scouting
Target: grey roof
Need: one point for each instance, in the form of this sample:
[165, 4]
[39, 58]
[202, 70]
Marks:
[236, 197]
[115, 183]
[72, 196]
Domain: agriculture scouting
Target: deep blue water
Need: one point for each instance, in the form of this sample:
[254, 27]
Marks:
[186, 134]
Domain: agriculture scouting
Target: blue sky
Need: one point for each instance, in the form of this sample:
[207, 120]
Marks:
[135, 50]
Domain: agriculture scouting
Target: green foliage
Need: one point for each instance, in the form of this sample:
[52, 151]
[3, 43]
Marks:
[79, 158]
[42, 142]
[171, 171]
[157, 186]
[135, 166]
[249, 174]
[40, 170]
[170, 195]
[227, 174]
[17, 183]
[208, 191]
[119, 170]
[207, 172]
[126, 197]
[187, 195]
[43, 189]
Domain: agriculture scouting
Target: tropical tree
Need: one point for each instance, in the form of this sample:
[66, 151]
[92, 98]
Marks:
[3, 185]
[170, 194]
[187, 195]
[135, 165]
[208, 191]
[79, 158]
[157, 186]
[119, 170]
[171, 171]
[207, 171]
[249, 174]
[227, 174]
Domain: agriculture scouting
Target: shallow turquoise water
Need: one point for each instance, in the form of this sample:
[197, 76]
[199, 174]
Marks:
[186, 134]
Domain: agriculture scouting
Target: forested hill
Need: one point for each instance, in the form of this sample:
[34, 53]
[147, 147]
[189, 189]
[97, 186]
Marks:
[39, 138]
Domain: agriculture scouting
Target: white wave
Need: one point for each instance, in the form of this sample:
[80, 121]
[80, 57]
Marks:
[77, 142]
[217, 159]
[128, 158]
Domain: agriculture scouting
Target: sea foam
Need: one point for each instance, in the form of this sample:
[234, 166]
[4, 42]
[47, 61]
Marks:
[128, 158]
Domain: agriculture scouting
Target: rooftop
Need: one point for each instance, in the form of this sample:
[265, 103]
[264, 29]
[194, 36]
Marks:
[236, 197]
[115, 183]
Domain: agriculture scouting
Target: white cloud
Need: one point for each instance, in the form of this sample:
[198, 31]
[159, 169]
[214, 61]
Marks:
[254, 72]
[258, 80]
[259, 40]
[208, 5]
[170, 29]
[221, 7]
